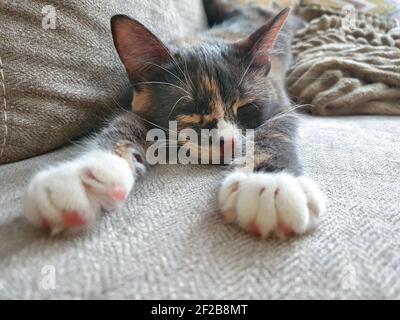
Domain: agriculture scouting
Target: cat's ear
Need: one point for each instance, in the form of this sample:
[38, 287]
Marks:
[139, 49]
[259, 44]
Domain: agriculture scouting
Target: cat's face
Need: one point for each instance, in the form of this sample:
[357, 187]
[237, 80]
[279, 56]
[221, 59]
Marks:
[211, 85]
[206, 88]
[202, 87]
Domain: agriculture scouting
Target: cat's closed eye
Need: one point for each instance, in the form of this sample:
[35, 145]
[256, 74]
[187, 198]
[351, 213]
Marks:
[183, 107]
[250, 115]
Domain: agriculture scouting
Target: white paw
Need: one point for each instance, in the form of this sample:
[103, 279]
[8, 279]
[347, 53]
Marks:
[267, 203]
[70, 195]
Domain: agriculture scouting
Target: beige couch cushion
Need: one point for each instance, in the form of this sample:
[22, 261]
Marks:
[58, 84]
[346, 64]
[169, 241]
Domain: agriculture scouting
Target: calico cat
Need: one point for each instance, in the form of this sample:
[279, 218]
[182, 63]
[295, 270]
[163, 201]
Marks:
[228, 78]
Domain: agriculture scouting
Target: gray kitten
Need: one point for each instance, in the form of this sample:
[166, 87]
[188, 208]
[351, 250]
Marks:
[228, 78]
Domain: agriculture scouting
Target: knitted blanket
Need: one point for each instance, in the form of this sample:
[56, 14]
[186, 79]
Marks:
[346, 65]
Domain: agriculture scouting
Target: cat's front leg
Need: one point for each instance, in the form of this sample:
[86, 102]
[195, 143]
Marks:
[69, 196]
[273, 197]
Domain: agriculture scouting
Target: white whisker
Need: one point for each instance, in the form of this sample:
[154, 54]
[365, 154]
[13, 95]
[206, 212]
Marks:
[282, 114]
[176, 103]
[163, 83]
[166, 70]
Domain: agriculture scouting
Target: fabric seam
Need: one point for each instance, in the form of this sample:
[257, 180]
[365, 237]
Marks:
[3, 85]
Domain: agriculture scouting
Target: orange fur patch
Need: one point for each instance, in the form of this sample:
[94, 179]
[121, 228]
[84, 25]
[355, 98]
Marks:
[189, 119]
[141, 100]
[210, 85]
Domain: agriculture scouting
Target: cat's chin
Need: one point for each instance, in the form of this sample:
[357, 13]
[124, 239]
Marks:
[208, 155]
[267, 204]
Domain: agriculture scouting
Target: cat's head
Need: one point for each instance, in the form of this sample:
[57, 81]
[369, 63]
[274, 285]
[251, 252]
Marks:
[208, 84]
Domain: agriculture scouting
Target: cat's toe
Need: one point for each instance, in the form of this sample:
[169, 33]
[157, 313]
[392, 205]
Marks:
[291, 206]
[107, 179]
[315, 200]
[70, 196]
[244, 200]
[56, 200]
[228, 196]
[271, 203]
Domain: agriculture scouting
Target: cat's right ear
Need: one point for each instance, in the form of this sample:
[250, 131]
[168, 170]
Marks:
[260, 43]
[139, 49]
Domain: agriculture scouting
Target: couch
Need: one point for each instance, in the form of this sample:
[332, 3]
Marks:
[169, 241]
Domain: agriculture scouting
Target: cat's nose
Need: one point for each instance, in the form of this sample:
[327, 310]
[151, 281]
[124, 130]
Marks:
[229, 142]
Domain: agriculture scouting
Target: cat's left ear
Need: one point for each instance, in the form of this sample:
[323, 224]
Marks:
[260, 43]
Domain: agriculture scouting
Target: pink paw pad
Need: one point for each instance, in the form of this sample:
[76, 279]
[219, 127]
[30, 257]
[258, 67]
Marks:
[44, 224]
[255, 229]
[286, 231]
[117, 193]
[72, 218]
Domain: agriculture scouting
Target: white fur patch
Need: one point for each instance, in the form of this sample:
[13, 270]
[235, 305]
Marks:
[97, 180]
[266, 203]
[228, 131]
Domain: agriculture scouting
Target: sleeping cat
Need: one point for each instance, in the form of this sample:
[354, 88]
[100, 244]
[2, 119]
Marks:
[228, 78]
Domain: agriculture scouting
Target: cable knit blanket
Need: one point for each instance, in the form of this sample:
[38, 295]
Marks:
[346, 66]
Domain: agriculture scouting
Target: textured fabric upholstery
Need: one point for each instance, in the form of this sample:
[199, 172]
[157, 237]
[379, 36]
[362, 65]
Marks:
[169, 241]
[56, 84]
